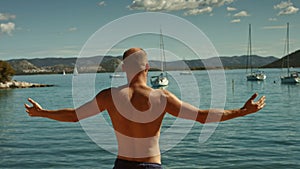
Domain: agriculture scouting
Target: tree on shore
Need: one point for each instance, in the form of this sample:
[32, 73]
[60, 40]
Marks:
[6, 71]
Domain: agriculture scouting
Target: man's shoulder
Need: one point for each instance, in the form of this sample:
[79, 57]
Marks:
[111, 89]
[162, 91]
[165, 93]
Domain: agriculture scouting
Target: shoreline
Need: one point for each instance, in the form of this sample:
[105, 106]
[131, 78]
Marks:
[16, 84]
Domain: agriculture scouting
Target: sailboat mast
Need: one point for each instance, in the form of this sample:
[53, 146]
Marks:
[162, 55]
[250, 48]
[288, 47]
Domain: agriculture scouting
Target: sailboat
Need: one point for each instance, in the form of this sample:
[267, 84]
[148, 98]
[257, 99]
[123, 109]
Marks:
[161, 80]
[116, 75]
[186, 72]
[75, 72]
[291, 77]
[253, 75]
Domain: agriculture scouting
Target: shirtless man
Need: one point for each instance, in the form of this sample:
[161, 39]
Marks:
[136, 111]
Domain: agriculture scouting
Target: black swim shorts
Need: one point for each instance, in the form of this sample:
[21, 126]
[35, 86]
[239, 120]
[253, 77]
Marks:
[125, 164]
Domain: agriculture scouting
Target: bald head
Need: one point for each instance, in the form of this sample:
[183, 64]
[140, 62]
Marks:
[132, 51]
[135, 60]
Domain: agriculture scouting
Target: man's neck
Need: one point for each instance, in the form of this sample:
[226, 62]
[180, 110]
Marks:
[139, 79]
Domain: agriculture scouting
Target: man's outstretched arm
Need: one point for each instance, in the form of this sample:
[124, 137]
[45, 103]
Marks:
[184, 110]
[88, 109]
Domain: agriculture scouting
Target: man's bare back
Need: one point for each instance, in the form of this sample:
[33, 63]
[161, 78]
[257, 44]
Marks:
[136, 115]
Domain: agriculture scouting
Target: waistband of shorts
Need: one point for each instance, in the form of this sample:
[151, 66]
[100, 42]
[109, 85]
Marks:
[127, 162]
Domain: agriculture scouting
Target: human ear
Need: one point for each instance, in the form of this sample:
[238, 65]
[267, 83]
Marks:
[147, 66]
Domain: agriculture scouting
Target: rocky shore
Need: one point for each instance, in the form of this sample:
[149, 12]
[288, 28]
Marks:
[17, 84]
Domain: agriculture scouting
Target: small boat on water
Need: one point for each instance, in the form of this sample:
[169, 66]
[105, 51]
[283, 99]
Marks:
[256, 76]
[162, 79]
[159, 81]
[253, 75]
[116, 76]
[75, 72]
[292, 76]
[187, 72]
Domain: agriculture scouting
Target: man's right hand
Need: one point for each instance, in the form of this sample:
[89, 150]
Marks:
[251, 106]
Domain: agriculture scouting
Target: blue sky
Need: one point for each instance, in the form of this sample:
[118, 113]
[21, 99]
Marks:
[60, 28]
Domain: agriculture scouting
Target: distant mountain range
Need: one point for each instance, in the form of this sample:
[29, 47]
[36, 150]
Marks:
[58, 65]
[233, 62]
[294, 61]
[109, 64]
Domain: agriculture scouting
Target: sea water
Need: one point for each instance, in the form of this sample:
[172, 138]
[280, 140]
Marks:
[267, 139]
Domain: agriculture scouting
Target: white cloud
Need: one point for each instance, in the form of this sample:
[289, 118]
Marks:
[192, 6]
[72, 29]
[283, 5]
[102, 3]
[275, 27]
[7, 28]
[218, 2]
[162, 5]
[286, 8]
[241, 14]
[231, 9]
[198, 11]
[272, 19]
[289, 10]
[235, 21]
[6, 16]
